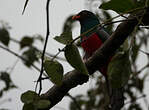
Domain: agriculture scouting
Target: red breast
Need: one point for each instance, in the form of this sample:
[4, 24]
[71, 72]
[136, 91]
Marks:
[91, 43]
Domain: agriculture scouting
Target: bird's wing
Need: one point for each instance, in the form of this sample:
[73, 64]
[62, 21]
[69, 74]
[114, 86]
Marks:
[102, 34]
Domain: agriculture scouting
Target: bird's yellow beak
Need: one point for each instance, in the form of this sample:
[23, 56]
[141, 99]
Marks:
[75, 17]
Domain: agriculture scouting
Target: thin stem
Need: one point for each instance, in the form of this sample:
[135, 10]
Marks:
[143, 96]
[146, 53]
[44, 49]
[13, 66]
[60, 50]
[146, 66]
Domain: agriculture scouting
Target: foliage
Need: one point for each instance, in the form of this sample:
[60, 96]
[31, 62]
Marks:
[4, 36]
[26, 41]
[32, 101]
[54, 70]
[73, 57]
[123, 6]
[64, 38]
[31, 53]
[29, 57]
[122, 71]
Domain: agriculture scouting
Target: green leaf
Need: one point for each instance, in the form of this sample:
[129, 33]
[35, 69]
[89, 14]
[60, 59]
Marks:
[26, 41]
[25, 6]
[29, 106]
[121, 6]
[4, 36]
[32, 101]
[54, 70]
[73, 57]
[119, 69]
[29, 97]
[42, 104]
[4, 76]
[31, 56]
[64, 38]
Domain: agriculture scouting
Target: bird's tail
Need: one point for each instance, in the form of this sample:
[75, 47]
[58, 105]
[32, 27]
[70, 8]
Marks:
[117, 98]
[116, 95]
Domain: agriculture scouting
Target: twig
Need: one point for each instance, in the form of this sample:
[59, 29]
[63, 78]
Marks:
[43, 78]
[53, 56]
[13, 66]
[74, 100]
[59, 51]
[147, 65]
[146, 53]
[44, 49]
[143, 96]
[25, 6]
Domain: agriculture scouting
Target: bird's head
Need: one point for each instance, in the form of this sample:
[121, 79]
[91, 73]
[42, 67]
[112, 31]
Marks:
[85, 16]
[87, 20]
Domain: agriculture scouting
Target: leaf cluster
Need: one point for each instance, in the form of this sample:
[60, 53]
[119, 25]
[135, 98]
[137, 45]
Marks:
[32, 101]
[120, 70]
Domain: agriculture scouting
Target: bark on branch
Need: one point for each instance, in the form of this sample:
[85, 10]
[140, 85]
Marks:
[74, 78]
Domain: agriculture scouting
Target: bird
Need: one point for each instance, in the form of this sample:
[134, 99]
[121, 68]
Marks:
[92, 38]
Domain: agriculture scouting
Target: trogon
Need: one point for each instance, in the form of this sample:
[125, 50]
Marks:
[93, 39]
[90, 42]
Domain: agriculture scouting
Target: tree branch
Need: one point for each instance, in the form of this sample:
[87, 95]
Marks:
[74, 78]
